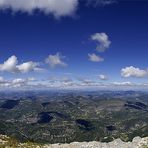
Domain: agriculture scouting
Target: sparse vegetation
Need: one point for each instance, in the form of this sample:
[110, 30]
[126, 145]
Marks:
[72, 117]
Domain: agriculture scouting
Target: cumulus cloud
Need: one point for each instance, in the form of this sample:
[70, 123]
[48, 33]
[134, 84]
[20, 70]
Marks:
[55, 60]
[58, 8]
[28, 66]
[11, 65]
[102, 41]
[95, 58]
[103, 77]
[133, 72]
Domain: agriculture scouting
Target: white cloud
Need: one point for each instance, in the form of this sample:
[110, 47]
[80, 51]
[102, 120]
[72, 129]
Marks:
[100, 2]
[28, 66]
[102, 41]
[2, 80]
[103, 77]
[11, 65]
[86, 82]
[123, 83]
[133, 72]
[56, 7]
[31, 79]
[67, 83]
[95, 58]
[16, 83]
[55, 60]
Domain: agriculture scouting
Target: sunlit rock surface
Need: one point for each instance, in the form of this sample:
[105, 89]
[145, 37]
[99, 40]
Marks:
[6, 142]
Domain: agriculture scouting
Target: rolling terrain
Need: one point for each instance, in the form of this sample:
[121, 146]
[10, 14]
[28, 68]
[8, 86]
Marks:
[67, 117]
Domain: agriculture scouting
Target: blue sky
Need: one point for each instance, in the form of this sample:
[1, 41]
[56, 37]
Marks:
[74, 43]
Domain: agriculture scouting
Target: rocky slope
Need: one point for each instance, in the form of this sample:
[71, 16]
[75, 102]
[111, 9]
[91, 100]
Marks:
[7, 142]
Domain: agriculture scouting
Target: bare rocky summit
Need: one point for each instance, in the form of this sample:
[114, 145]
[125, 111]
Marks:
[137, 142]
